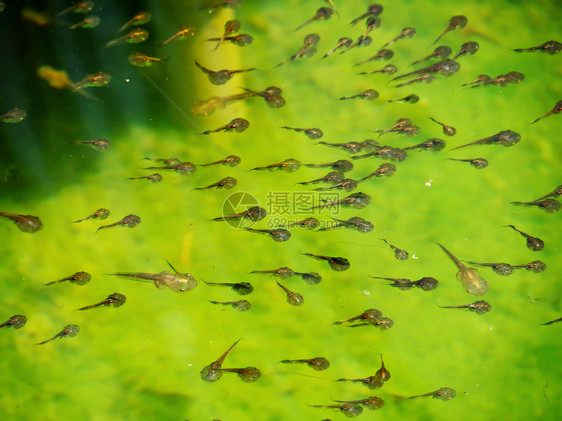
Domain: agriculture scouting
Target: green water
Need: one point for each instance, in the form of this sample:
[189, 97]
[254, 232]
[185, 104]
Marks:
[142, 361]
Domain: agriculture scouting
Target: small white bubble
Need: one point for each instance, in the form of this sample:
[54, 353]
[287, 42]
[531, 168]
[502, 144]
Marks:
[491, 327]
[428, 184]
[366, 292]
[127, 80]
[414, 256]
[190, 365]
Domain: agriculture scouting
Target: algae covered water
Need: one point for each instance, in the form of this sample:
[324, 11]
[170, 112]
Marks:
[149, 348]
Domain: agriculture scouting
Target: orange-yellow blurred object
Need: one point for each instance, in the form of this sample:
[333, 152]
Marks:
[58, 79]
[36, 17]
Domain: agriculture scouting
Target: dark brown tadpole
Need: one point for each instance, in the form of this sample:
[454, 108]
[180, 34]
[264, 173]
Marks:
[114, 300]
[402, 125]
[347, 184]
[282, 273]
[230, 160]
[510, 78]
[533, 243]
[288, 165]
[383, 323]
[556, 110]
[383, 54]
[247, 374]
[344, 42]
[505, 138]
[310, 133]
[230, 27]
[318, 363]
[372, 382]
[311, 278]
[97, 144]
[180, 167]
[406, 33]
[342, 165]
[25, 223]
[332, 177]
[226, 183]
[209, 372]
[236, 125]
[425, 284]
[549, 47]
[372, 23]
[398, 252]
[441, 52]
[371, 315]
[308, 49]
[548, 205]
[389, 69]
[410, 99]
[130, 221]
[372, 403]
[177, 282]
[272, 96]
[434, 144]
[425, 77]
[502, 269]
[373, 10]
[293, 298]
[481, 80]
[479, 307]
[348, 409]
[361, 42]
[279, 234]
[153, 178]
[356, 222]
[17, 321]
[535, 266]
[240, 288]
[382, 373]
[213, 4]
[478, 163]
[322, 13]
[456, 22]
[445, 394]
[469, 48]
[445, 67]
[368, 94]
[386, 170]
[167, 161]
[240, 40]
[339, 264]
[356, 200]
[252, 214]
[448, 130]
[240, 305]
[68, 331]
[79, 278]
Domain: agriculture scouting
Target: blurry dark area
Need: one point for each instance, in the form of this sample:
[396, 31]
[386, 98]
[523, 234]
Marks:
[36, 155]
